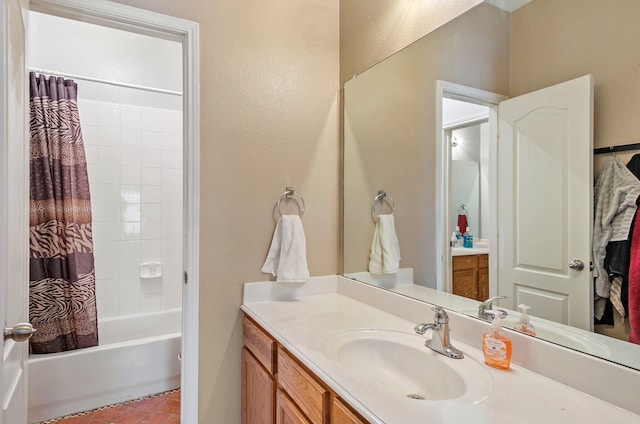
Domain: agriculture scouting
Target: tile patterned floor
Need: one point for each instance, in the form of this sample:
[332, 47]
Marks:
[158, 409]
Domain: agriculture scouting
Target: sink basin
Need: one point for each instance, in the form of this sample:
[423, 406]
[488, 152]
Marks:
[401, 365]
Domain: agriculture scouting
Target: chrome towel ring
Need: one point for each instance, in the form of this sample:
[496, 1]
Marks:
[288, 194]
[380, 198]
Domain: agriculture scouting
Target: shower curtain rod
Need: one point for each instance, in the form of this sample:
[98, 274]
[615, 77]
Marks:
[105, 81]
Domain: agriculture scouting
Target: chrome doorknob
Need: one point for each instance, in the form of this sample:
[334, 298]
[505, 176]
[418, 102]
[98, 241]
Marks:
[20, 332]
[576, 264]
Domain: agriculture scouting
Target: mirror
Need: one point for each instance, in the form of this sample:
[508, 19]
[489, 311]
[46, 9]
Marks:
[391, 143]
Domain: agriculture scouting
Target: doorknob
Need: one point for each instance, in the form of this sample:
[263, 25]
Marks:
[576, 264]
[20, 332]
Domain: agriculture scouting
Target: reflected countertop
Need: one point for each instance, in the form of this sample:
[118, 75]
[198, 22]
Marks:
[465, 251]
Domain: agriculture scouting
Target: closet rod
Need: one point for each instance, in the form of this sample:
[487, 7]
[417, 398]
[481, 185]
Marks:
[105, 81]
[613, 149]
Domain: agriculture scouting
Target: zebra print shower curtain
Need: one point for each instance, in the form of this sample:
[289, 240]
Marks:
[62, 301]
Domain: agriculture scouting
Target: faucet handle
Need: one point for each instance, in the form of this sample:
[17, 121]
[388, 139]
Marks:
[487, 304]
[440, 316]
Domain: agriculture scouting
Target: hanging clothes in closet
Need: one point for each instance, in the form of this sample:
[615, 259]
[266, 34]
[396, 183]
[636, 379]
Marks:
[631, 286]
[615, 196]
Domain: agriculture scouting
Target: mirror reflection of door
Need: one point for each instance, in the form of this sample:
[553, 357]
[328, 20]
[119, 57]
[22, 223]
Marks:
[467, 133]
[545, 182]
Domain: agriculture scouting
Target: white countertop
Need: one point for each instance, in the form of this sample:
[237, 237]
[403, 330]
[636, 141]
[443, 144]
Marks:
[465, 251]
[301, 320]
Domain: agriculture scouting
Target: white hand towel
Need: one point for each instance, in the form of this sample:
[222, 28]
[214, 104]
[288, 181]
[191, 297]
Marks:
[385, 249]
[287, 257]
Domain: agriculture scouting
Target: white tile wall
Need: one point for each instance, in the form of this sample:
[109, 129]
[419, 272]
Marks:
[134, 158]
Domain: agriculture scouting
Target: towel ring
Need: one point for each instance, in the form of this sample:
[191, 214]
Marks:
[288, 194]
[462, 209]
[379, 198]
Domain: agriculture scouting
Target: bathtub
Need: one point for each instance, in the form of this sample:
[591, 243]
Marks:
[137, 356]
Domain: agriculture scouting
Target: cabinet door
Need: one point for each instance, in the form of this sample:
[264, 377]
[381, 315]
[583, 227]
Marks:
[483, 277]
[287, 412]
[342, 414]
[258, 391]
[465, 283]
[483, 284]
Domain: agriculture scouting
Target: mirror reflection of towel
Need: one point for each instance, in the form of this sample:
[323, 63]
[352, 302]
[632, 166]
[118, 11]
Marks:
[287, 257]
[462, 223]
[385, 250]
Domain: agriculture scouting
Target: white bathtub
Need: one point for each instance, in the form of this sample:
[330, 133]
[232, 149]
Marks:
[137, 356]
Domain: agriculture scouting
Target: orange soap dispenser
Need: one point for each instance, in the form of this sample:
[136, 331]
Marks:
[496, 346]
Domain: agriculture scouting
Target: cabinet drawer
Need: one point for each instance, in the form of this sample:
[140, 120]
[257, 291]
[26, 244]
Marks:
[464, 262]
[483, 261]
[310, 396]
[260, 344]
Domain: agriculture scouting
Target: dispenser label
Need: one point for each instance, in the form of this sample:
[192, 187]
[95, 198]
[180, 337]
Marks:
[495, 349]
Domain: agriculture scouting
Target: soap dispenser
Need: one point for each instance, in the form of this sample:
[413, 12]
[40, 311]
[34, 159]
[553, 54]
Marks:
[496, 346]
[454, 240]
[524, 325]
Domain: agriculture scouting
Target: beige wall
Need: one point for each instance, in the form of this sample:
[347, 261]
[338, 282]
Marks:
[270, 84]
[390, 137]
[371, 30]
[269, 118]
[555, 41]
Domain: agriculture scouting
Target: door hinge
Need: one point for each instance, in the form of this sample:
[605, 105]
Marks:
[186, 277]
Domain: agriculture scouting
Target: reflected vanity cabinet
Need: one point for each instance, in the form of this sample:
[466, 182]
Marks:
[470, 276]
[277, 388]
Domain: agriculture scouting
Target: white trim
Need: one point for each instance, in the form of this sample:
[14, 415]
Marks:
[443, 177]
[120, 16]
[467, 120]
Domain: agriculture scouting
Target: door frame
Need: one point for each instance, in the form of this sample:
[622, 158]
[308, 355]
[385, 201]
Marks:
[444, 228]
[129, 18]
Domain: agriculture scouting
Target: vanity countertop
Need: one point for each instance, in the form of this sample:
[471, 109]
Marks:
[302, 318]
[465, 251]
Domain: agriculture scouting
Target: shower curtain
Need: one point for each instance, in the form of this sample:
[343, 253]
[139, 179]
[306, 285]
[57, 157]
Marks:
[62, 301]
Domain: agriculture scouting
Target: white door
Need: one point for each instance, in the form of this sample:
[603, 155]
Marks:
[545, 202]
[14, 206]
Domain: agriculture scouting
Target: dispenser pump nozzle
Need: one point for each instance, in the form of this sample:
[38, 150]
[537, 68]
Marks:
[524, 317]
[524, 325]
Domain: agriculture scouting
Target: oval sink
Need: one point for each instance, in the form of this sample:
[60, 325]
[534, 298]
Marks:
[400, 364]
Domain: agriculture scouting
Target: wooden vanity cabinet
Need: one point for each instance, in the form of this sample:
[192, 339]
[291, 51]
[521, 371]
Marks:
[277, 388]
[258, 380]
[302, 387]
[483, 277]
[342, 414]
[470, 276]
[287, 412]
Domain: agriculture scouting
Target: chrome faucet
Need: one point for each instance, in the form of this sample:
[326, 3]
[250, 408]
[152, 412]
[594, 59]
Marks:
[440, 341]
[485, 312]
